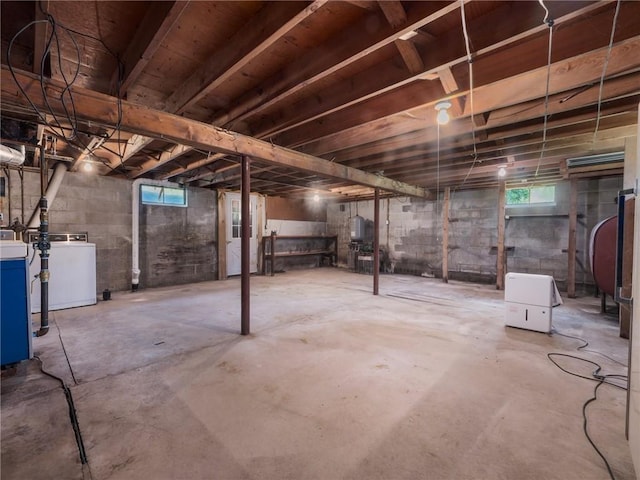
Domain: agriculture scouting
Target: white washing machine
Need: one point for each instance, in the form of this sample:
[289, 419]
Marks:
[72, 264]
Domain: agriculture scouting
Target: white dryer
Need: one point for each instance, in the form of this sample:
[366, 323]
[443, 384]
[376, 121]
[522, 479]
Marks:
[72, 263]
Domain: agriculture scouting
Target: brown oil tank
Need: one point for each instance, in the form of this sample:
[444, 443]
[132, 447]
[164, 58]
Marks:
[602, 253]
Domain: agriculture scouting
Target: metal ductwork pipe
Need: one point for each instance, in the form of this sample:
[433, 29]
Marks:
[52, 190]
[10, 156]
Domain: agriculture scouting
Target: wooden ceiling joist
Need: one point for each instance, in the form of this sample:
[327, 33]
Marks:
[330, 58]
[269, 25]
[156, 24]
[574, 73]
[343, 97]
[103, 110]
[388, 79]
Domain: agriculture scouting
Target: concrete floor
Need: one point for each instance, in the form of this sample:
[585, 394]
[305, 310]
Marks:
[423, 381]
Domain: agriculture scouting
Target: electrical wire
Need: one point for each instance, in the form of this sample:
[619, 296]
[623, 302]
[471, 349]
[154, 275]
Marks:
[546, 10]
[586, 344]
[586, 430]
[596, 376]
[470, 62]
[65, 97]
[549, 23]
[73, 415]
[604, 70]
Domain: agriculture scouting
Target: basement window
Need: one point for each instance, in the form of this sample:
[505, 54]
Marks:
[161, 195]
[538, 195]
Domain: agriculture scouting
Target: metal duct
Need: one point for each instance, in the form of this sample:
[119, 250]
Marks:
[11, 156]
[52, 190]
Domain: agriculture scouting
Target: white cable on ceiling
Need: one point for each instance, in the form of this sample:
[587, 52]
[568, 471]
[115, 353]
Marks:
[604, 69]
[546, 10]
[470, 62]
[546, 95]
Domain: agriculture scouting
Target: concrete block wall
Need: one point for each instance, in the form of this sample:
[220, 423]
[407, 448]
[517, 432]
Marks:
[178, 244]
[101, 206]
[413, 235]
[95, 204]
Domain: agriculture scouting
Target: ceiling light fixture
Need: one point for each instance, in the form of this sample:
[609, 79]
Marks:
[316, 197]
[87, 167]
[443, 112]
[502, 172]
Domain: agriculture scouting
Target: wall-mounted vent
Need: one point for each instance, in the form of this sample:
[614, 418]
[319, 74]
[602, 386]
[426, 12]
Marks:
[591, 160]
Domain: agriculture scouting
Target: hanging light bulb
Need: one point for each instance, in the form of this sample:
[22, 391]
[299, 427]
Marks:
[443, 112]
[502, 172]
[316, 197]
[87, 167]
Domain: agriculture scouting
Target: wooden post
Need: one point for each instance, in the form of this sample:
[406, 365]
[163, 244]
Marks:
[222, 236]
[501, 224]
[571, 250]
[245, 203]
[445, 236]
[376, 241]
[273, 252]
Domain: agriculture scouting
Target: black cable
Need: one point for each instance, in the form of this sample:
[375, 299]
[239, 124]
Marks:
[586, 431]
[595, 377]
[65, 98]
[586, 344]
[73, 416]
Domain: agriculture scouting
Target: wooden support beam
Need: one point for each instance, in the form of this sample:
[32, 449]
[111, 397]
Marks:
[193, 166]
[394, 12]
[165, 157]
[410, 56]
[133, 146]
[267, 27]
[331, 57]
[93, 144]
[158, 21]
[564, 75]
[41, 37]
[500, 260]
[396, 16]
[481, 119]
[210, 169]
[445, 236]
[358, 135]
[449, 82]
[103, 109]
[571, 249]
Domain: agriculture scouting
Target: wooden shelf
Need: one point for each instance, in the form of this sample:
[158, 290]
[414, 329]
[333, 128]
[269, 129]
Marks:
[327, 251]
[300, 253]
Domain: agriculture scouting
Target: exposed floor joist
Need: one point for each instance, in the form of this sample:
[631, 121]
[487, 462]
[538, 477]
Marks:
[103, 109]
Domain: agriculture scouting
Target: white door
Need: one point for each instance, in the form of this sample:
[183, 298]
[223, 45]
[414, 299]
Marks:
[234, 229]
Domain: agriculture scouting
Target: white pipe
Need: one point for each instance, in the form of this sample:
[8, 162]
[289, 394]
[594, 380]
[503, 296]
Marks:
[135, 224]
[11, 156]
[52, 190]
